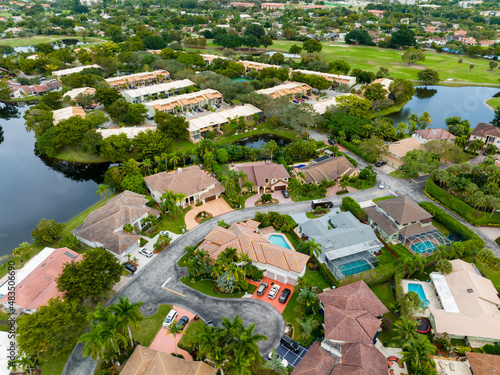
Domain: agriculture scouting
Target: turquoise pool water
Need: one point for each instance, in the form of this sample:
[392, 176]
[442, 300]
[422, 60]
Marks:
[278, 240]
[355, 267]
[419, 289]
[240, 80]
[423, 247]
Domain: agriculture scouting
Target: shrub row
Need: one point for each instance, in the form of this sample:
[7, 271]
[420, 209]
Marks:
[498, 241]
[451, 223]
[353, 207]
[357, 151]
[353, 161]
[327, 275]
[375, 276]
[461, 208]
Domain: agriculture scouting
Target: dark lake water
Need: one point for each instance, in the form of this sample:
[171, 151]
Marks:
[32, 187]
[256, 141]
[442, 102]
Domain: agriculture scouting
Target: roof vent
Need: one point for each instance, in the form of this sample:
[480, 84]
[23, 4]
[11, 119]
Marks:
[179, 170]
[43, 264]
[47, 278]
[470, 291]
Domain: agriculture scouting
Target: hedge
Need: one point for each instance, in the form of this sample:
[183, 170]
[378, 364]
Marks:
[353, 207]
[375, 276]
[498, 241]
[461, 208]
[353, 161]
[357, 151]
[451, 223]
[327, 274]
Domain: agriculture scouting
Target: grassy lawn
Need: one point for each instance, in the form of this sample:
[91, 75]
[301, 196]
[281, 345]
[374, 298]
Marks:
[300, 198]
[174, 226]
[441, 228]
[149, 326]
[292, 312]
[494, 102]
[314, 278]
[385, 294]
[399, 174]
[55, 366]
[23, 42]
[385, 258]
[382, 198]
[365, 186]
[493, 275]
[264, 128]
[312, 215]
[183, 261]
[293, 239]
[401, 250]
[78, 156]
[192, 330]
[372, 58]
[206, 287]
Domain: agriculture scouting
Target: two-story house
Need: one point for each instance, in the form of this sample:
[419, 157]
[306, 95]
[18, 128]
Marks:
[489, 134]
[265, 176]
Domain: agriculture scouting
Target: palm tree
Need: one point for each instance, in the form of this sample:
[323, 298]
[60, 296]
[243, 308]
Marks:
[404, 330]
[129, 314]
[94, 342]
[418, 263]
[308, 325]
[416, 353]
[307, 297]
[175, 159]
[112, 333]
[245, 259]
[485, 256]
[247, 341]
[21, 250]
[401, 129]
[103, 189]
[217, 357]
[164, 156]
[173, 330]
[240, 363]
[146, 163]
[274, 364]
[343, 182]
[206, 340]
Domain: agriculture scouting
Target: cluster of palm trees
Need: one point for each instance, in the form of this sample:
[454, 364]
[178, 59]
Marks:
[233, 181]
[170, 203]
[110, 330]
[479, 186]
[414, 123]
[231, 349]
[297, 188]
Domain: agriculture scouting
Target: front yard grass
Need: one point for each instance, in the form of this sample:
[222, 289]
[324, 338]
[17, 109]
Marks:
[382, 198]
[206, 287]
[314, 278]
[402, 250]
[385, 294]
[192, 330]
[77, 155]
[312, 215]
[172, 225]
[263, 128]
[292, 312]
[150, 325]
[493, 275]
[399, 174]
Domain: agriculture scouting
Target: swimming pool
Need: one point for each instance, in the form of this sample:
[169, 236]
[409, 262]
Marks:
[240, 80]
[423, 247]
[278, 240]
[419, 289]
[357, 266]
[300, 166]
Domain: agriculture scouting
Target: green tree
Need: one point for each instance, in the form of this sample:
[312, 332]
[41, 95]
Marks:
[416, 354]
[53, 100]
[266, 41]
[103, 190]
[353, 105]
[413, 55]
[295, 50]
[274, 364]
[405, 329]
[411, 303]
[428, 76]
[308, 325]
[107, 96]
[269, 148]
[150, 143]
[173, 126]
[419, 161]
[311, 46]
[373, 147]
[70, 241]
[93, 342]
[375, 91]
[136, 113]
[128, 314]
[493, 65]
[403, 38]
[444, 266]
[401, 129]
[402, 89]
[46, 231]
[359, 36]
[115, 148]
[4, 88]
[457, 126]
[85, 100]
[22, 250]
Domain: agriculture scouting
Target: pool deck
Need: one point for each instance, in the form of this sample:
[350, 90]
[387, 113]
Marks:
[430, 294]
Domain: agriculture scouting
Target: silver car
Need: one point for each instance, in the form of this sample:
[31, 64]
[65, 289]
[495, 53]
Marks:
[146, 252]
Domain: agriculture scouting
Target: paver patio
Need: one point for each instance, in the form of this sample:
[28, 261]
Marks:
[216, 207]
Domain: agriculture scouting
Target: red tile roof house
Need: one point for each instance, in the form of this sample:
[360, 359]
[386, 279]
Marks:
[39, 285]
[489, 134]
[265, 176]
[351, 326]
[279, 263]
[440, 134]
[104, 226]
[192, 181]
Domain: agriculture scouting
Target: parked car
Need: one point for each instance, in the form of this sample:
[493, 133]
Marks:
[380, 163]
[146, 252]
[305, 97]
[285, 193]
[274, 291]
[130, 267]
[262, 289]
[331, 142]
[295, 101]
[284, 295]
[210, 324]
[170, 318]
[290, 343]
[183, 322]
[382, 185]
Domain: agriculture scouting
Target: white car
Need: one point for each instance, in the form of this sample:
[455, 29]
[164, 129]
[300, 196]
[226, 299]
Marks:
[146, 252]
[382, 185]
[170, 318]
[274, 291]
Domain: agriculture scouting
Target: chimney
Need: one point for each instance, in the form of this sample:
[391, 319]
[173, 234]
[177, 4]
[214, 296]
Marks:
[179, 170]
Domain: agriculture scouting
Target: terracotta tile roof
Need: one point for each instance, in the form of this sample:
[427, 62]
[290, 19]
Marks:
[315, 362]
[101, 225]
[404, 210]
[145, 361]
[329, 169]
[190, 181]
[244, 238]
[350, 325]
[484, 364]
[361, 359]
[257, 173]
[355, 296]
[440, 133]
[401, 148]
[40, 285]
[483, 130]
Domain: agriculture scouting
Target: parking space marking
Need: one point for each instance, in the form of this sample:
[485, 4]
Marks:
[173, 291]
[165, 283]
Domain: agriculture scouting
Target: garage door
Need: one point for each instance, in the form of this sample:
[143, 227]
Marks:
[270, 274]
[280, 187]
[280, 278]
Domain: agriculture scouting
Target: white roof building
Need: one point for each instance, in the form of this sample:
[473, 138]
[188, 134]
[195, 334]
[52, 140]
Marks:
[81, 90]
[339, 79]
[65, 113]
[222, 117]
[287, 89]
[78, 69]
[130, 132]
[321, 106]
[185, 101]
[168, 88]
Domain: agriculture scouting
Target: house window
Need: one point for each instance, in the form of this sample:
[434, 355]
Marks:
[274, 180]
[267, 180]
[473, 137]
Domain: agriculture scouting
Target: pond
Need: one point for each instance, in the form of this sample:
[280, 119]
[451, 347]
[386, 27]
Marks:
[442, 102]
[56, 44]
[256, 141]
[33, 187]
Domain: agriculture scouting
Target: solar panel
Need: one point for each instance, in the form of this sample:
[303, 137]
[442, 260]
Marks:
[71, 255]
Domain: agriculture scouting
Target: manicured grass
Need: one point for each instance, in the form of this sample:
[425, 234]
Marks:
[388, 111]
[183, 261]
[264, 128]
[372, 58]
[4, 315]
[5, 328]
[192, 330]
[385, 258]
[399, 174]
[314, 278]
[312, 215]
[23, 42]
[292, 312]
[55, 366]
[493, 275]
[385, 294]
[300, 198]
[382, 198]
[206, 287]
[441, 228]
[364, 187]
[78, 156]
[245, 197]
[494, 102]
[149, 326]
[402, 251]
[172, 225]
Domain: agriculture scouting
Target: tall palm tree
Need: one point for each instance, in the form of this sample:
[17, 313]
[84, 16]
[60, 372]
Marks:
[401, 129]
[308, 325]
[416, 353]
[247, 341]
[206, 339]
[274, 364]
[343, 182]
[307, 297]
[245, 259]
[94, 342]
[240, 363]
[103, 189]
[404, 330]
[174, 330]
[146, 163]
[129, 314]
[175, 159]
[218, 358]
[112, 333]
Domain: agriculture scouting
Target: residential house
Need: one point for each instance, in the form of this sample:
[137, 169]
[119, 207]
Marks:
[139, 79]
[209, 59]
[399, 149]
[254, 65]
[489, 134]
[72, 94]
[336, 79]
[242, 5]
[66, 113]
[351, 326]
[196, 184]
[130, 131]
[185, 102]
[160, 90]
[402, 219]
[348, 246]
[65, 72]
[291, 89]
[36, 281]
[146, 361]
[279, 261]
[329, 169]
[104, 226]
[272, 6]
[13, 30]
[440, 134]
[321, 106]
[265, 176]
[469, 305]
[377, 13]
[483, 364]
[385, 82]
[200, 126]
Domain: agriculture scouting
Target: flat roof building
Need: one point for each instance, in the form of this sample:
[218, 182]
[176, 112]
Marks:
[167, 89]
[82, 90]
[139, 79]
[322, 106]
[185, 102]
[254, 65]
[290, 89]
[130, 131]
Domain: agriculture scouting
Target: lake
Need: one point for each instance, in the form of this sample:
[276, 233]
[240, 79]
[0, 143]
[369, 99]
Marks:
[442, 102]
[61, 43]
[256, 141]
[32, 187]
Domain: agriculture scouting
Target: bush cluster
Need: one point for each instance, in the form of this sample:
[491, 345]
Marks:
[357, 151]
[253, 273]
[491, 349]
[353, 207]
[375, 276]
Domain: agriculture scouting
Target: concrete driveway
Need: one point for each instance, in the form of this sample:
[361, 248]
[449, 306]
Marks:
[332, 191]
[250, 202]
[216, 207]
